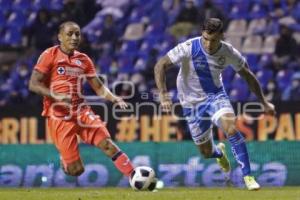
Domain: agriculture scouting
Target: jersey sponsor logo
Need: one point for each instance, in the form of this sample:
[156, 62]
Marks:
[61, 70]
[200, 62]
[71, 71]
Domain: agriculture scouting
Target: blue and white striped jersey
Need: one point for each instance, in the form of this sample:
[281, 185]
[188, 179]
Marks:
[200, 73]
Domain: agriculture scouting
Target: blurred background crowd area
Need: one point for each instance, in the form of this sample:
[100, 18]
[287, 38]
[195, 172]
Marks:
[126, 37]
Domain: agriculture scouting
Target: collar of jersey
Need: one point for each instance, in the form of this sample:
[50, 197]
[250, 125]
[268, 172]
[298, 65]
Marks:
[69, 55]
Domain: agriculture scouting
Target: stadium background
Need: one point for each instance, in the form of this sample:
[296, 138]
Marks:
[125, 38]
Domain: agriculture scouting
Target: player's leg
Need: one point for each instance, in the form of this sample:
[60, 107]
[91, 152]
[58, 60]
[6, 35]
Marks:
[236, 139]
[200, 127]
[238, 146]
[120, 159]
[208, 149]
[223, 116]
[98, 135]
[207, 146]
[64, 137]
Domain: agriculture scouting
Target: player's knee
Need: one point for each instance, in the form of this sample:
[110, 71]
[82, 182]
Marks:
[230, 128]
[75, 170]
[228, 122]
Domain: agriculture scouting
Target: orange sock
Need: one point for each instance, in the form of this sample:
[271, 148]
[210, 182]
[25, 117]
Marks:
[122, 163]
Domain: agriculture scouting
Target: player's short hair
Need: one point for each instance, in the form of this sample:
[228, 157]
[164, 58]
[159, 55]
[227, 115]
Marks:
[64, 24]
[213, 25]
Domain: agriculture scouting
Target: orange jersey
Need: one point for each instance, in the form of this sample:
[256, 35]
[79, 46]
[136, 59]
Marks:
[64, 74]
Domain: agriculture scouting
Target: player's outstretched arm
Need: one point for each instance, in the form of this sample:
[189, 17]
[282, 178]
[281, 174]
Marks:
[256, 89]
[160, 69]
[37, 86]
[102, 91]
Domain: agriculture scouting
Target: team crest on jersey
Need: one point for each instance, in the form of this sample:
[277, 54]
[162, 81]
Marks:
[61, 70]
[78, 62]
[221, 60]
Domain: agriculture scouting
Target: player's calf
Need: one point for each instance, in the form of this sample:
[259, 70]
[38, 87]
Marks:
[108, 147]
[209, 150]
[120, 159]
[206, 152]
[122, 163]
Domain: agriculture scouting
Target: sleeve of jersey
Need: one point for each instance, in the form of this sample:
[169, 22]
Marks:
[90, 68]
[238, 61]
[182, 50]
[43, 64]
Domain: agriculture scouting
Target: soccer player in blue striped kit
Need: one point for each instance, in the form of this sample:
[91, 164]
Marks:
[202, 95]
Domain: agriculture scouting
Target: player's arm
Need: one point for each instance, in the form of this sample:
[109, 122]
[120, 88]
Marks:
[160, 69]
[37, 86]
[254, 86]
[102, 91]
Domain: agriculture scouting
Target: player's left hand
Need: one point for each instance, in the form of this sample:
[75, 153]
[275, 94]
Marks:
[269, 108]
[120, 102]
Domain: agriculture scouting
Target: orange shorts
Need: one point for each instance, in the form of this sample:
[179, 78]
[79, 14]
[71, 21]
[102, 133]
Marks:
[86, 125]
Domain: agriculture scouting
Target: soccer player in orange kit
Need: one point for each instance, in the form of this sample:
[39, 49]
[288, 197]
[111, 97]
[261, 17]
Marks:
[55, 76]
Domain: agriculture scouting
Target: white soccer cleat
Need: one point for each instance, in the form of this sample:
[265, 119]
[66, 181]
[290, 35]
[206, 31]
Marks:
[223, 161]
[250, 183]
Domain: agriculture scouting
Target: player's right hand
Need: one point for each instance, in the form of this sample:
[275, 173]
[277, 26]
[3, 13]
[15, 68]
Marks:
[165, 102]
[120, 102]
[166, 105]
[62, 98]
[269, 108]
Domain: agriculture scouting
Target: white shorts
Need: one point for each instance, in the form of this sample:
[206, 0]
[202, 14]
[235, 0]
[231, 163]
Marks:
[201, 118]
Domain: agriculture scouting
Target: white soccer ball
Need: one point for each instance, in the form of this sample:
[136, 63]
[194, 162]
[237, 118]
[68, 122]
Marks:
[143, 178]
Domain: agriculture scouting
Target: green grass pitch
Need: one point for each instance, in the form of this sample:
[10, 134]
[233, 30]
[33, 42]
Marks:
[279, 193]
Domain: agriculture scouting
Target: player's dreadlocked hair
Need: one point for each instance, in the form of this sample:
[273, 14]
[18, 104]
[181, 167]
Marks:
[213, 25]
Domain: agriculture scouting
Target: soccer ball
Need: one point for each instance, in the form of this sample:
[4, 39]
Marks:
[143, 178]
